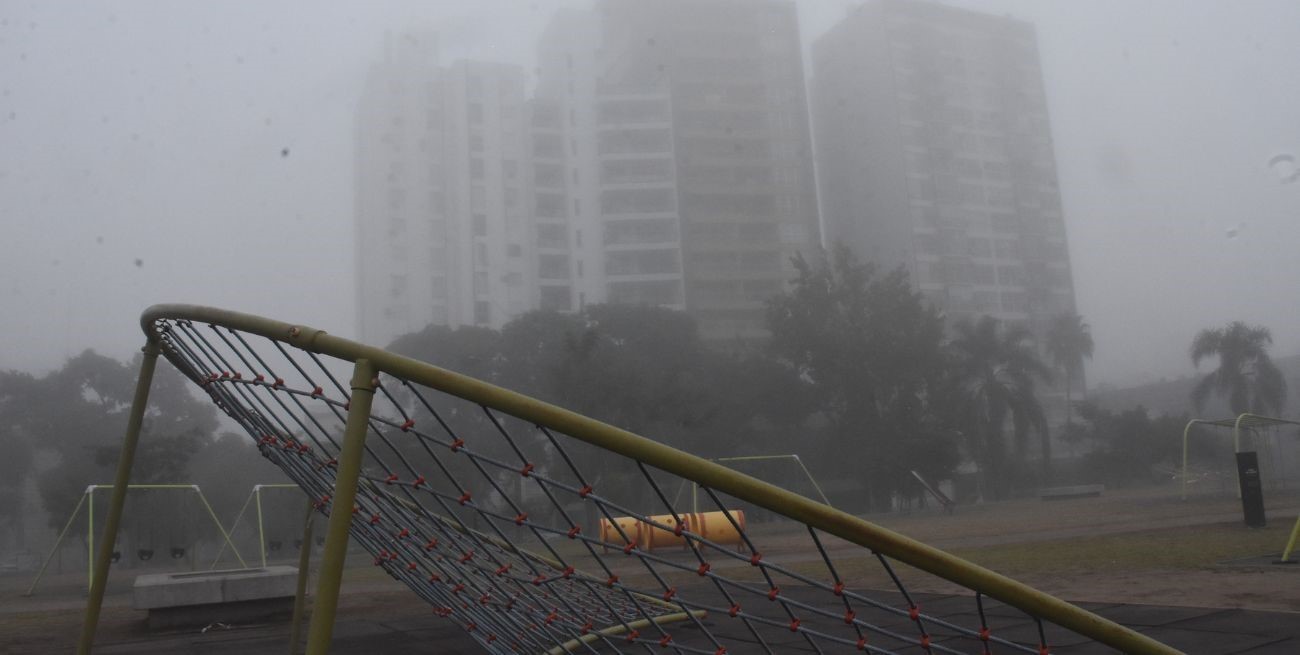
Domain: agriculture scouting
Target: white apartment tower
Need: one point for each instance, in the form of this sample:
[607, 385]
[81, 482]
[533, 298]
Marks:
[934, 153]
[443, 186]
[688, 172]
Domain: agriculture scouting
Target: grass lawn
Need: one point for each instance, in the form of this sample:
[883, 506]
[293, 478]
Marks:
[1185, 548]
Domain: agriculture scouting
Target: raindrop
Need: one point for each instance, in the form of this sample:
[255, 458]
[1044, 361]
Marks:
[1284, 165]
[1234, 231]
[650, 41]
[99, 239]
[284, 152]
[139, 262]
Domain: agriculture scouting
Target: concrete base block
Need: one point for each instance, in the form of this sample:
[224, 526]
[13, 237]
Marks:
[1077, 491]
[205, 597]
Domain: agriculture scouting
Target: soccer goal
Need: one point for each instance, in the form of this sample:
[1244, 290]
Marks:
[1256, 432]
[273, 542]
[178, 532]
[427, 470]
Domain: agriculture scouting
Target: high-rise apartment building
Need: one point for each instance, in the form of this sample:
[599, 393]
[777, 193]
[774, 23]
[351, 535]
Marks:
[935, 153]
[688, 172]
[444, 192]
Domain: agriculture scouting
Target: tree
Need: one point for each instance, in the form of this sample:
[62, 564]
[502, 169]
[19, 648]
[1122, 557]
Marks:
[1246, 376]
[872, 351]
[79, 413]
[641, 368]
[1129, 444]
[994, 371]
[1069, 342]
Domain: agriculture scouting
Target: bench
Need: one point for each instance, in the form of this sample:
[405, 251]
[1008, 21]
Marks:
[1077, 491]
[205, 597]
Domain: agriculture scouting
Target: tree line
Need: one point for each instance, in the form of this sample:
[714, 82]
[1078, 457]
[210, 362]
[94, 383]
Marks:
[860, 377]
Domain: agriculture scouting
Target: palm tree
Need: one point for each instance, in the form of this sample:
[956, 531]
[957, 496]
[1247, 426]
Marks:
[995, 369]
[1246, 375]
[1069, 342]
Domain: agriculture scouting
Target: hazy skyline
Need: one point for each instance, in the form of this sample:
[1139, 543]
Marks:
[213, 144]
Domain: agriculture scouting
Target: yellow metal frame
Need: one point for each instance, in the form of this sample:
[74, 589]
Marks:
[89, 494]
[370, 361]
[255, 494]
[695, 487]
[1235, 424]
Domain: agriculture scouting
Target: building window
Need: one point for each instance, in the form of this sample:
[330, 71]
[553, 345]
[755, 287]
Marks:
[397, 286]
[475, 113]
[514, 250]
[551, 236]
[480, 225]
[482, 313]
[480, 254]
[476, 169]
[552, 267]
[556, 299]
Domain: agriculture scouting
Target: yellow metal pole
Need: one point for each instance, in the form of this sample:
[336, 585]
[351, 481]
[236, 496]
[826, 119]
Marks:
[261, 537]
[90, 542]
[812, 480]
[224, 535]
[1290, 543]
[304, 568]
[1186, 430]
[233, 527]
[75, 511]
[124, 462]
[345, 492]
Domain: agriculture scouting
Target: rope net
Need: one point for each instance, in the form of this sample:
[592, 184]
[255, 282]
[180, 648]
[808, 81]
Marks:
[533, 541]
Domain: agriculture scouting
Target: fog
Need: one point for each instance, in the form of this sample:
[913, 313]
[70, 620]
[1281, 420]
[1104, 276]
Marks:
[179, 152]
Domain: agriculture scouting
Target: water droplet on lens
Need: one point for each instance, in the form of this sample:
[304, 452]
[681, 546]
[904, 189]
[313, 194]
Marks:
[1285, 167]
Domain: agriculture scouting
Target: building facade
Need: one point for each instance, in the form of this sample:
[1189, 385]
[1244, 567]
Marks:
[935, 154]
[689, 176]
[443, 191]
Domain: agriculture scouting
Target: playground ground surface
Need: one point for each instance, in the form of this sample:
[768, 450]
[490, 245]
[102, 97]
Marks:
[1186, 572]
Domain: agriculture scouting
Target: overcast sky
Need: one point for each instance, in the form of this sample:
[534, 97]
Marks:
[202, 152]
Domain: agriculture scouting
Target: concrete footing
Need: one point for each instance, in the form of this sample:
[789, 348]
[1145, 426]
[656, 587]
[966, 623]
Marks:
[207, 597]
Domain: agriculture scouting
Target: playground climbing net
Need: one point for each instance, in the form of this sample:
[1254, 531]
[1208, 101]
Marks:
[537, 530]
